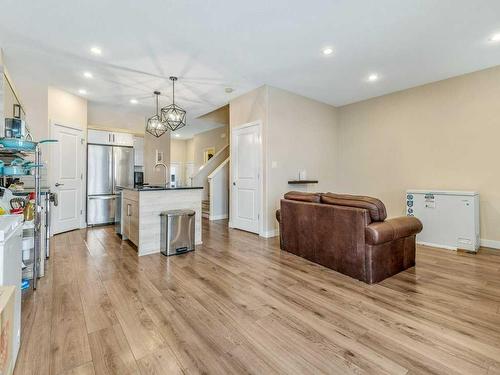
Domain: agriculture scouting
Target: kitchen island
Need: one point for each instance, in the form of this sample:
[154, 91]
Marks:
[141, 208]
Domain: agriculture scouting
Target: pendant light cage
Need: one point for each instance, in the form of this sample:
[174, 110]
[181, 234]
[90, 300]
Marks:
[154, 125]
[173, 115]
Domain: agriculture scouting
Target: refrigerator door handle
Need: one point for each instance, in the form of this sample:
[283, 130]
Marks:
[102, 197]
[112, 171]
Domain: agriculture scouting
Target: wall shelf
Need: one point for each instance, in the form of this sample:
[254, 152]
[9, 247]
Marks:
[297, 182]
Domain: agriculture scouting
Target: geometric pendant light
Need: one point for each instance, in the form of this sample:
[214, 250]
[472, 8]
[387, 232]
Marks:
[172, 115]
[154, 125]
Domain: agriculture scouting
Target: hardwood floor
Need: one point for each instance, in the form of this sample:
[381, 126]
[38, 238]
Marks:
[240, 305]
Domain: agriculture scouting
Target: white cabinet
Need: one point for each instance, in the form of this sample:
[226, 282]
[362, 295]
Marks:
[138, 151]
[110, 138]
[99, 137]
[123, 139]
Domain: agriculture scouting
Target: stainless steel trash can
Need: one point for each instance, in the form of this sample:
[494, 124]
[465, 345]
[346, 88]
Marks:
[177, 232]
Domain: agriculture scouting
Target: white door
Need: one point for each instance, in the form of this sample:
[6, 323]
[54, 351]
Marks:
[67, 178]
[246, 165]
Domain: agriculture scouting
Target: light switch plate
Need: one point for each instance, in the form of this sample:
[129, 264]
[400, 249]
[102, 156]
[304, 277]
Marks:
[274, 164]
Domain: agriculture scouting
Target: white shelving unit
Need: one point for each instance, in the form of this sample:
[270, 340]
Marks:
[34, 263]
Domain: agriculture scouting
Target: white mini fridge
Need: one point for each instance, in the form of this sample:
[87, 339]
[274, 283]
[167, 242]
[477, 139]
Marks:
[450, 218]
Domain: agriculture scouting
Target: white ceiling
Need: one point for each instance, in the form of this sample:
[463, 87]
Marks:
[212, 45]
[133, 118]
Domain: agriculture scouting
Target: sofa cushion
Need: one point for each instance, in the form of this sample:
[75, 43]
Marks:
[374, 206]
[303, 196]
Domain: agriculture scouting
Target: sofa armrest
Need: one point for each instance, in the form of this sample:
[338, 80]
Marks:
[278, 215]
[385, 231]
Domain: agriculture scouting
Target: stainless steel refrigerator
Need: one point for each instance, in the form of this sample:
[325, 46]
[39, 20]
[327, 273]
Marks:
[107, 168]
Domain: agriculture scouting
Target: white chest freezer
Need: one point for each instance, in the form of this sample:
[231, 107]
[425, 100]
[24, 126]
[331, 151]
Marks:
[450, 218]
[11, 233]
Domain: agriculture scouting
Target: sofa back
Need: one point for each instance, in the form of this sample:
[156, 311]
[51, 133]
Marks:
[331, 235]
[303, 196]
[374, 206]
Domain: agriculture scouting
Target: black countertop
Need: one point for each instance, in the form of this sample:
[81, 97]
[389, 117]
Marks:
[157, 188]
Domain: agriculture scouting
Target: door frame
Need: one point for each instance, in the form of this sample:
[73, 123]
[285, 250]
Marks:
[232, 205]
[83, 167]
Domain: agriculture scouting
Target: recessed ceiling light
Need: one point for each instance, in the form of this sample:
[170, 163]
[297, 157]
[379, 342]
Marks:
[96, 51]
[82, 91]
[327, 51]
[228, 90]
[133, 101]
[88, 75]
[373, 77]
[177, 135]
[495, 38]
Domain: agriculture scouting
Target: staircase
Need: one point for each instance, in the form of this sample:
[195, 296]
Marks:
[205, 207]
[214, 177]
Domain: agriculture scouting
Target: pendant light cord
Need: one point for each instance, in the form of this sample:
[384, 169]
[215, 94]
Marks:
[173, 92]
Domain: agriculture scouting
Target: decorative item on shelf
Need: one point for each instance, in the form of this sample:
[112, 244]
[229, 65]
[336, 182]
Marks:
[173, 115]
[154, 125]
[17, 111]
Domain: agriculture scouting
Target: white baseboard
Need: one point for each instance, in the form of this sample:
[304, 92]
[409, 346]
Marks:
[436, 245]
[490, 243]
[270, 233]
[149, 252]
[218, 217]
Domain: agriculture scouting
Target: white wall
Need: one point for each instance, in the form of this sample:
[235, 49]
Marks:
[152, 175]
[297, 133]
[66, 108]
[301, 135]
[217, 138]
[178, 150]
[107, 116]
[443, 135]
[219, 192]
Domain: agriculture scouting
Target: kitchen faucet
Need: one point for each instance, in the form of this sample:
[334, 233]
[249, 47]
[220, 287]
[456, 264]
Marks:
[166, 171]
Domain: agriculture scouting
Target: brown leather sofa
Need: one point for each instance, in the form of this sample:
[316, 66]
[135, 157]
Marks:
[347, 233]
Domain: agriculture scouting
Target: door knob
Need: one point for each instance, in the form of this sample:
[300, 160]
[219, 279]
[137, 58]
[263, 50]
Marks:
[58, 184]
[234, 183]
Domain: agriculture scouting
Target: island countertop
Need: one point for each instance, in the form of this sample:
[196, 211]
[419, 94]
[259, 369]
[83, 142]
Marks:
[157, 187]
[141, 207]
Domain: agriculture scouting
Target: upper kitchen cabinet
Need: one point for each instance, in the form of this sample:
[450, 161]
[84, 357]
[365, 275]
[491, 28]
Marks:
[138, 151]
[123, 139]
[110, 138]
